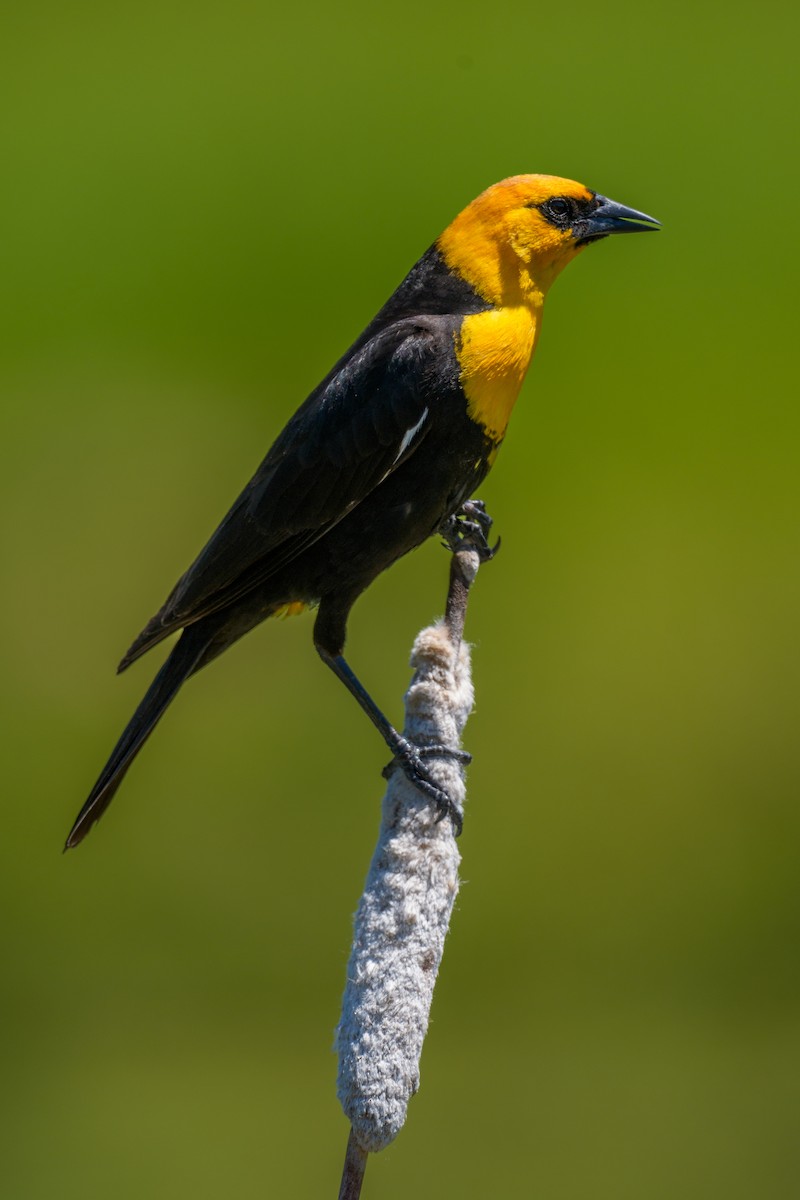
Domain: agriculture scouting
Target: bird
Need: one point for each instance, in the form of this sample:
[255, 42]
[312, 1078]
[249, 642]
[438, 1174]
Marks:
[384, 453]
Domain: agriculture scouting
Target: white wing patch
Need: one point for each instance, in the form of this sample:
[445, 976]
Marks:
[410, 434]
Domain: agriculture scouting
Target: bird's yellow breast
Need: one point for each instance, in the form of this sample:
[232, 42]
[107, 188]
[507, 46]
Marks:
[494, 349]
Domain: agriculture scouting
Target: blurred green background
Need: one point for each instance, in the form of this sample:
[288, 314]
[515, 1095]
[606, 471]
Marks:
[201, 206]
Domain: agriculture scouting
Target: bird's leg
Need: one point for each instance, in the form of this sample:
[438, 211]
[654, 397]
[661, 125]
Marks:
[406, 755]
[468, 528]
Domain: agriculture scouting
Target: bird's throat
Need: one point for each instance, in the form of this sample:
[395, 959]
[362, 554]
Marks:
[494, 349]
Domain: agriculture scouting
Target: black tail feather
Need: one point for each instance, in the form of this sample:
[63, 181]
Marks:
[153, 633]
[179, 666]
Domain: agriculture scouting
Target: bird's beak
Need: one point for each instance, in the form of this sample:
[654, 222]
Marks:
[610, 217]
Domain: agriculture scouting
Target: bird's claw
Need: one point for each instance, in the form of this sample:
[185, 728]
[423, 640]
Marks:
[467, 528]
[462, 756]
[475, 510]
[408, 758]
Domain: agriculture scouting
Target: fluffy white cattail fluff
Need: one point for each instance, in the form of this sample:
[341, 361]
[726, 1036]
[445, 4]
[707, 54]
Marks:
[409, 894]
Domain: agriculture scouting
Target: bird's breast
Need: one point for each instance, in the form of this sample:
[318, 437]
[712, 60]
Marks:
[494, 349]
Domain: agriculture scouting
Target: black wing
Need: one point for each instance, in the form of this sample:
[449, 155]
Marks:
[356, 428]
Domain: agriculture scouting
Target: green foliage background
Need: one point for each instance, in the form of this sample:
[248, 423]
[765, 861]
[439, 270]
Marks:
[201, 206]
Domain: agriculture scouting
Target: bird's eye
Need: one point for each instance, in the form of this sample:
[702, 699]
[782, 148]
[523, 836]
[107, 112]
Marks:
[559, 207]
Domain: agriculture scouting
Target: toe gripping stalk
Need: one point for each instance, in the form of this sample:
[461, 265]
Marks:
[469, 529]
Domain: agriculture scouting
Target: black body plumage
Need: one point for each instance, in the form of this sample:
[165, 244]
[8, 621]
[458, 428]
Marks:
[377, 458]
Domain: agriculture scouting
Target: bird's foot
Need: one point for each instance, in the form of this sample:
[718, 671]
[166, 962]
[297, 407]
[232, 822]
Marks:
[467, 529]
[408, 758]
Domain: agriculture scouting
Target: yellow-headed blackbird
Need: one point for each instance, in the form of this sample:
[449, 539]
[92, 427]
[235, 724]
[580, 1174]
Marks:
[384, 452]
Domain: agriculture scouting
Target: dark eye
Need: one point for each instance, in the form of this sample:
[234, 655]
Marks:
[559, 207]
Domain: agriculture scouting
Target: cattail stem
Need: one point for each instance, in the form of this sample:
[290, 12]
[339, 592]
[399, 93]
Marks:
[404, 913]
[355, 1164]
[463, 570]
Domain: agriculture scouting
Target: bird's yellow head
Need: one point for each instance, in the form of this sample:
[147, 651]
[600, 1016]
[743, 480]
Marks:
[512, 241]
